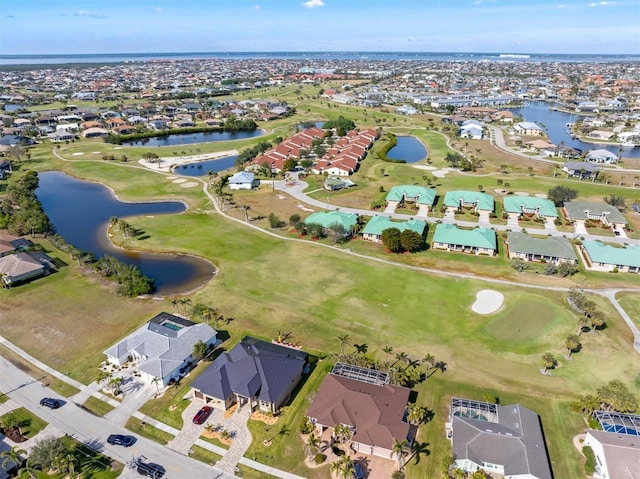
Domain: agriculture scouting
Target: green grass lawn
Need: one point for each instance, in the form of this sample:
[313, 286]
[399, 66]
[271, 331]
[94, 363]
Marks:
[630, 302]
[511, 325]
[97, 406]
[29, 423]
[204, 455]
[147, 430]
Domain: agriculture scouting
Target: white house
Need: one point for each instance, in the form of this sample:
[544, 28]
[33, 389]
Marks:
[528, 128]
[162, 347]
[243, 180]
[601, 156]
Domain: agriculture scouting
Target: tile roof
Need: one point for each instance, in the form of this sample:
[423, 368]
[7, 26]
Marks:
[554, 246]
[577, 210]
[602, 253]
[451, 234]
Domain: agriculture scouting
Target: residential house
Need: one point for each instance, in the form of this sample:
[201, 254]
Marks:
[582, 211]
[363, 400]
[19, 267]
[94, 132]
[243, 180]
[528, 128]
[162, 348]
[477, 241]
[531, 206]
[421, 196]
[376, 225]
[552, 249]
[603, 257]
[333, 183]
[502, 440]
[581, 169]
[329, 219]
[255, 373]
[615, 447]
[601, 156]
[477, 201]
[10, 244]
[61, 136]
[471, 129]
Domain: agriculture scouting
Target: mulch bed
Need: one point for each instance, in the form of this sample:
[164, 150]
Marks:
[14, 434]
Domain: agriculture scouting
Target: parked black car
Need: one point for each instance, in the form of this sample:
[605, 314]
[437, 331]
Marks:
[121, 440]
[149, 469]
[50, 403]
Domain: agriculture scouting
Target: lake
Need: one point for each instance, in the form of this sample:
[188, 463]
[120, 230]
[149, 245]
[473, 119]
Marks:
[201, 168]
[180, 139]
[408, 148]
[554, 123]
[80, 211]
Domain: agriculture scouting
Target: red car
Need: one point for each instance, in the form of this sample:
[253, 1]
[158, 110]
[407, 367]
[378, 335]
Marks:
[202, 415]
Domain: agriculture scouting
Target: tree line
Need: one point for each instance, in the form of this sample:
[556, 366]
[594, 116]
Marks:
[20, 211]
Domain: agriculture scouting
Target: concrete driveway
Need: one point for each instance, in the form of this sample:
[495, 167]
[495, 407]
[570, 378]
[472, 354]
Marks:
[135, 394]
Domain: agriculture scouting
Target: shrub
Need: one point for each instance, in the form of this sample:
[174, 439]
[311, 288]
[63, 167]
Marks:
[306, 427]
[550, 269]
[590, 463]
[274, 221]
[294, 219]
[319, 458]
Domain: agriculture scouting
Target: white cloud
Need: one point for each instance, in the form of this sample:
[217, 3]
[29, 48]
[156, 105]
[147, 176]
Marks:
[87, 13]
[255, 8]
[602, 4]
[158, 9]
[313, 3]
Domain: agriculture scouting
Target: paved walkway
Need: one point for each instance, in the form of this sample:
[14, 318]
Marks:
[236, 424]
[190, 432]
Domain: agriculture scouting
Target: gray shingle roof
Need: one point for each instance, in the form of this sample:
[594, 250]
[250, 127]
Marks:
[556, 247]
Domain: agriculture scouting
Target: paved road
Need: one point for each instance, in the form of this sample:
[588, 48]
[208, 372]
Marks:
[93, 430]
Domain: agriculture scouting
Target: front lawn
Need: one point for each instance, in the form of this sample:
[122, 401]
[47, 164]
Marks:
[147, 430]
[29, 423]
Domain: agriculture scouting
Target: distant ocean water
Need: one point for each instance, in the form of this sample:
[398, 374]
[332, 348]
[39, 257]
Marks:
[389, 56]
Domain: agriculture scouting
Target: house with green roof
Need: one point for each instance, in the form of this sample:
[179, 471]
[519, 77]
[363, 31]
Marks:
[477, 241]
[476, 200]
[421, 196]
[552, 249]
[581, 211]
[603, 257]
[530, 205]
[376, 225]
[330, 218]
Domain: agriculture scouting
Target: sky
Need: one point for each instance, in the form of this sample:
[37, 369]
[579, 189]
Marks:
[165, 26]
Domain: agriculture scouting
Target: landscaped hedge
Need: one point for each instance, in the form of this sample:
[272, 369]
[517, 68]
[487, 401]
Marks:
[382, 154]
[590, 463]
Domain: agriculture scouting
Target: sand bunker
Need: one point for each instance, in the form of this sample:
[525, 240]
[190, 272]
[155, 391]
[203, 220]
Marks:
[440, 173]
[77, 154]
[521, 193]
[425, 167]
[487, 301]
[501, 192]
[171, 177]
[541, 195]
[179, 180]
[189, 184]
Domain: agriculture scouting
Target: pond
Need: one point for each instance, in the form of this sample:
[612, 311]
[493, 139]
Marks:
[180, 139]
[13, 107]
[555, 125]
[408, 148]
[80, 211]
[202, 167]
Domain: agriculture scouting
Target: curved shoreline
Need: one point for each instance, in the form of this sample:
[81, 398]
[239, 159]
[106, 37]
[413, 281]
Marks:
[262, 130]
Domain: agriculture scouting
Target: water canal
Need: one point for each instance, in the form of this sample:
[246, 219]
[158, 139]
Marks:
[80, 211]
[180, 139]
[554, 123]
[201, 168]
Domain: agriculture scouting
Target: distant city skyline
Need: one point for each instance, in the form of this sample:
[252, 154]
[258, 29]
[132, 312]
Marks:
[165, 26]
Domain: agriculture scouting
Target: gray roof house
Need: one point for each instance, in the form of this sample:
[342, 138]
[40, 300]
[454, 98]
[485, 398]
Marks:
[601, 156]
[581, 169]
[253, 372]
[552, 249]
[586, 210]
[19, 267]
[505, 440]
[161, 347]
[243, 180]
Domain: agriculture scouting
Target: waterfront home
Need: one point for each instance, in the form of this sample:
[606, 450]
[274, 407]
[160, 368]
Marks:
[420, 196]
[329, 219]
[162, 348]
[582, 211]
[603, 257]
[19, 267]
[256, 373]
[528, 128]
[477, 241]
[503, 440]
[376, 226]
[601, 156]
[475, 200]
[95, 132]
[243, 180]
[552, 249]
[581, 169]
[364, 401]
[532, 206]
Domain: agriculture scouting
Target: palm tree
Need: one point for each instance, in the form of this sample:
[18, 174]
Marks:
[572, 343]
[387, 350]
[245, 209]
[156, 381]
[12, 456]
[583, 322]
[174, 303]
[399, 449]
[312, 446]
[103, 377]
[66, 464]
[342, 433]
[548, 362]
[401, 357]
[430, 361]
[417, 414]
[344, 340]
[184, 302]
[115, 383]
[28, 470]
[597, 320]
